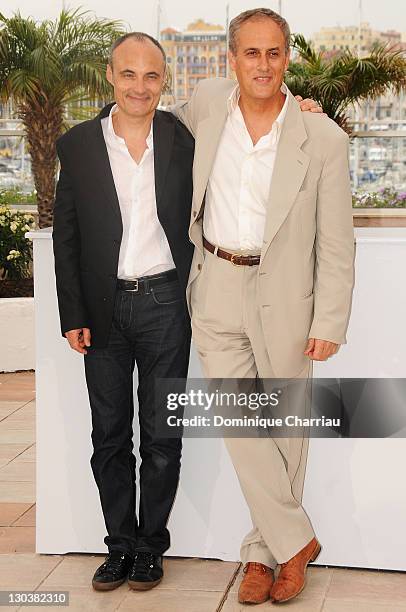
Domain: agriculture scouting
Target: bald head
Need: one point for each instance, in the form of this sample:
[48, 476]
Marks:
[141, 37]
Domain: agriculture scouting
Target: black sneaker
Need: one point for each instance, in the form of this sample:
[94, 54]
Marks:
[146, 571]
[113, 571]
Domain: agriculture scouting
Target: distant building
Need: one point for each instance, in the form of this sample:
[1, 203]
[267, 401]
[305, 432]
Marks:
[376, 161]
[199, 52]
[333, 40]
[348, 38]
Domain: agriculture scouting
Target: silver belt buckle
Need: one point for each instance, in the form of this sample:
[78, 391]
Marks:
[136, 286]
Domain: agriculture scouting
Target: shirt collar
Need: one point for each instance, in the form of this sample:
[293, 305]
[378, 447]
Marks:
[113, 136]
[233, 99]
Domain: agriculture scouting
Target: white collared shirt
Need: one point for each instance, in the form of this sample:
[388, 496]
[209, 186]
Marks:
[240, 181]
[144, 247]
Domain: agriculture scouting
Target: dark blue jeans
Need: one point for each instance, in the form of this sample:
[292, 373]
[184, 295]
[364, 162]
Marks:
[151, 331]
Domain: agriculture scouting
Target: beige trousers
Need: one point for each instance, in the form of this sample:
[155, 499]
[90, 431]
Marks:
[228, 336]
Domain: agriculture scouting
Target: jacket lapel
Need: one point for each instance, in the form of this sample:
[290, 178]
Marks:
[164, 134]
[290, 169]
[208, 135]
[102, 163]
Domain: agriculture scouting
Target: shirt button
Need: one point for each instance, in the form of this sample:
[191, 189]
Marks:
[199, 266]
[194, 213]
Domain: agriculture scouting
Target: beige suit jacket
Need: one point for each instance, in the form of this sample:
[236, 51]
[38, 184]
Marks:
[306, 274]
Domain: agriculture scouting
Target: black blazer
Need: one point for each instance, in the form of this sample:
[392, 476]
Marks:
[87, 229]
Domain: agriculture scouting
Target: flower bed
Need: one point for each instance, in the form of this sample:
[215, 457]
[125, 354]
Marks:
[386, 197]
[15, 251]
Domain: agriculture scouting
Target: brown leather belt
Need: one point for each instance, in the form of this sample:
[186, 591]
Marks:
[237, 260]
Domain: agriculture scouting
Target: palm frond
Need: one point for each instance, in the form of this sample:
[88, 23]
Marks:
[63, 54]
[344, 79]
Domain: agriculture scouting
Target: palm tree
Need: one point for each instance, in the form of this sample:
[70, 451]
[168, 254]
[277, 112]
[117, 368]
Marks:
[344, 79]
[44, 67]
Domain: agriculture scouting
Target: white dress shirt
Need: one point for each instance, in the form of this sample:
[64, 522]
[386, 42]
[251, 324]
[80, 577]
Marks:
[240, 181]
[144, 247]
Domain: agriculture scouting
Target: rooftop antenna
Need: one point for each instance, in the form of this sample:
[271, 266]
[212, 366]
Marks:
[357, 113]
[227, 24]
[359, 27]
[158, 20]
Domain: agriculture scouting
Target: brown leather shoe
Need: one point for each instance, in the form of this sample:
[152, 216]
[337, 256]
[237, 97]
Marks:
[291, 579]
[256, 584]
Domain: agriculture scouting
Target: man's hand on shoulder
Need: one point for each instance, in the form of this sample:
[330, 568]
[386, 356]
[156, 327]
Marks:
[309, 105]
[320, 350]
[79, 339]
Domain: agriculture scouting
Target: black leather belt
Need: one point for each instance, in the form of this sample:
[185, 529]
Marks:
[143, 284]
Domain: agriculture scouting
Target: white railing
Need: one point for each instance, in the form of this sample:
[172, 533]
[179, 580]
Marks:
[377, 155]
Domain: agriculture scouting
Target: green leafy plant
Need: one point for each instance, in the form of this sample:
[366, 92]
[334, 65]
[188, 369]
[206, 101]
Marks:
[343, 79]
[45, 67]
[16, 196]
[15, 248]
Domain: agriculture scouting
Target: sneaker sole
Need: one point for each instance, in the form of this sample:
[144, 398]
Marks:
[143, 586]
[107, 586]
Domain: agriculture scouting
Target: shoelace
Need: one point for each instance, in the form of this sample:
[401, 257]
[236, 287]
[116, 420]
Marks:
[143, 562]
[112, 565]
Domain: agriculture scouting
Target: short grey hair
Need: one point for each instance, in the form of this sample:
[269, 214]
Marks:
[139, 37]
[258, 13]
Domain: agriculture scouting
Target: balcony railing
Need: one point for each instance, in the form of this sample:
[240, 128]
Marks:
[377, 156]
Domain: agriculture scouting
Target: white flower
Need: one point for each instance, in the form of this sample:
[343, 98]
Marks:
[13, 254]
[13, 226]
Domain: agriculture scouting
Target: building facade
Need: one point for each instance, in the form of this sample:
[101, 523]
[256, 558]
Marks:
[199, 52]
[377, 160]
[351, 37]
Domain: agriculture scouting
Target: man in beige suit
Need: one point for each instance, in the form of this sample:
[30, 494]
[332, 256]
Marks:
[271, 280]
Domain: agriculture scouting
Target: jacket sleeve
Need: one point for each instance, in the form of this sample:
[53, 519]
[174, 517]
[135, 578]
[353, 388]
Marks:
[334, 267]
[187, 112]
[66, 243]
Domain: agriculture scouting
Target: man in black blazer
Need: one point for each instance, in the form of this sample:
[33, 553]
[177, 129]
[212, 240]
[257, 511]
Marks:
[122, 259]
